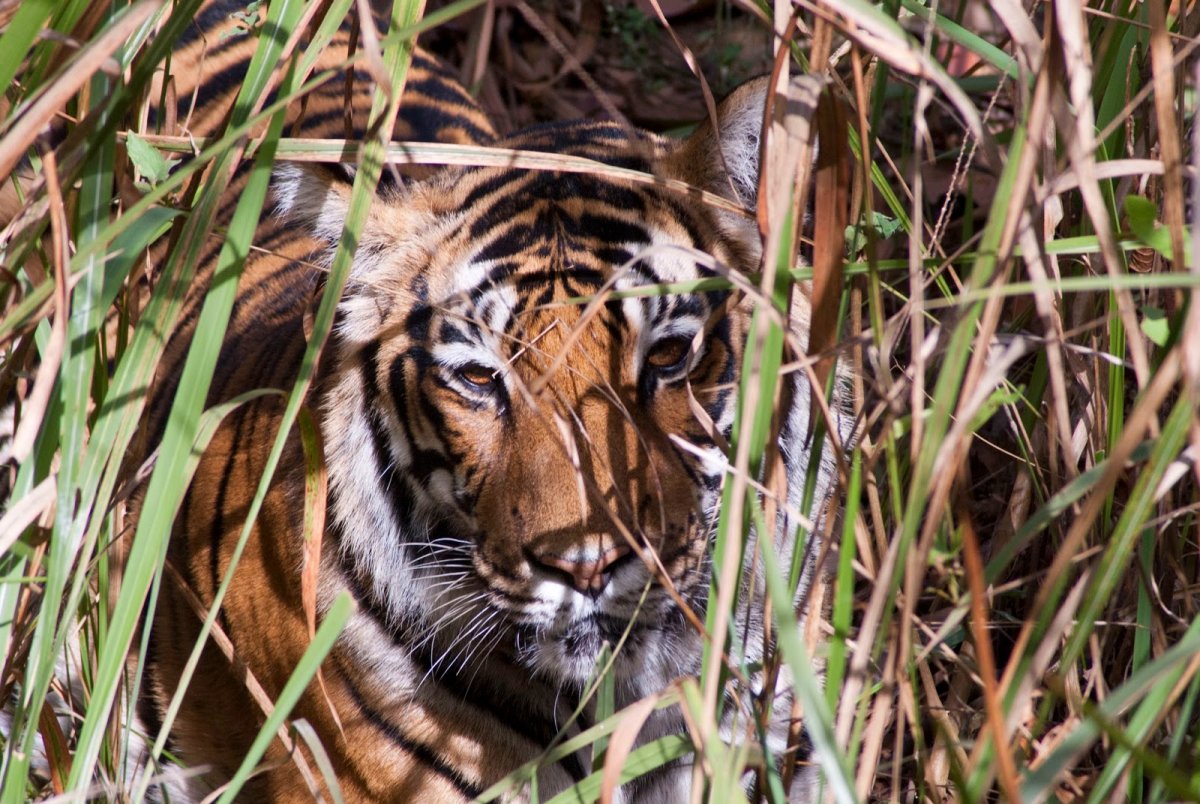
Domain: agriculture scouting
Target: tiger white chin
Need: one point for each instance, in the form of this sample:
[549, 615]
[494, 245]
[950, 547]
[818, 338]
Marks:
[650, 646]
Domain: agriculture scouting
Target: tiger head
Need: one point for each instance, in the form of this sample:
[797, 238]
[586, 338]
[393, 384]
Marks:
[523, 448]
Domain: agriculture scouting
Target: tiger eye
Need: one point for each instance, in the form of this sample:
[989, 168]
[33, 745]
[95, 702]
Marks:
[477, 375]
[668, 353]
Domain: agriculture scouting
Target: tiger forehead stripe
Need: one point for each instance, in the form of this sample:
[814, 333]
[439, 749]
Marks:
[576, 191]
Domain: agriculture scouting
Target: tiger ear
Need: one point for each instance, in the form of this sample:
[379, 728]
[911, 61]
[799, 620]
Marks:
[724, 159]
[316, 198]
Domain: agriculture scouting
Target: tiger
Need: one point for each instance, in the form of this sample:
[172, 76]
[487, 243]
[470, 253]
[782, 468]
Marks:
[525, 456]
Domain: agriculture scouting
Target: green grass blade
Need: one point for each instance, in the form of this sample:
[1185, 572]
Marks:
[956, 33]
[641, 760]
[18, 38]
[335, 620]
[366, 178]
[1039, 783]
[1138, 510]
[169, 480]
[818, 719]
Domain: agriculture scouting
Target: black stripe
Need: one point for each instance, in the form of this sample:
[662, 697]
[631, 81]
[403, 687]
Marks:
[427, 123]
[688, 305]
[686, 217]
[503, 245]
[586, 277]
[419, 750]
[204, 23]
[449, 332]
[402, 505]
[274, 237]
[614, 230]
[440, 88]
[417, 323]
[492, 185]
[428, 120]
[613, 255]
[223, 82]
[552, 186]
[216, 535]
[424, 462]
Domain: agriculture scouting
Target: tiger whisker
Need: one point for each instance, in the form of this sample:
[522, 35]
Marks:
[486, 628]
[439, 660]
[457, 574]
[451, 601]
[440, 564]
[499, 634]
[464, 603]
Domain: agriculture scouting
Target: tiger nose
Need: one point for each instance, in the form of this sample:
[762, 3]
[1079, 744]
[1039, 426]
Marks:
[587, 576]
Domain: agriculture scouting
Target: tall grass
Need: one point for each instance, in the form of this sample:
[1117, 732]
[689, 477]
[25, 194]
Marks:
[1011, 591]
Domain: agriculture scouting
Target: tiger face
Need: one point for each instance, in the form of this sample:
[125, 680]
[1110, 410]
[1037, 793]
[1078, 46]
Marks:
[522, 448]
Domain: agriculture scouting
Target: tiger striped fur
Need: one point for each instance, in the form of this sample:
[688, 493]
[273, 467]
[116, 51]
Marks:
[509, 468]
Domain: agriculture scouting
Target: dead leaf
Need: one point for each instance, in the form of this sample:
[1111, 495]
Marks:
[58, 92]
[39, 398]
[830, 215]
[621, 743]
[316, 494]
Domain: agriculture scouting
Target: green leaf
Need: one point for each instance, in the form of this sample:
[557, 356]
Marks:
[1155, 325]
[527, 773]
[170, 477]
[818, 718]
[1062, 500]
[883, 225]
[606, 699]
[308, 734]
[1139, 507]
[959, 35]
[146, 158]
[1143, 220]
[1141, 213]
[150, 225]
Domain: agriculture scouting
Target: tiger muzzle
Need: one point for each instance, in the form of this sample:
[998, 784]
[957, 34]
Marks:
[588, 576]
